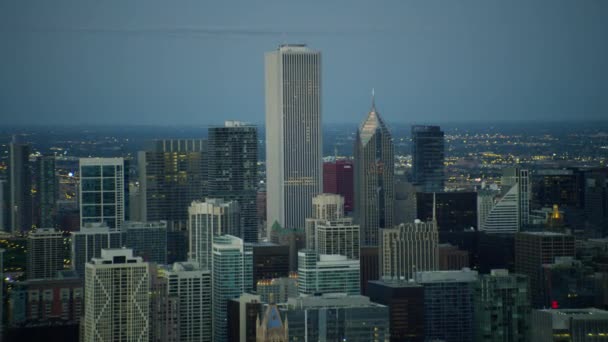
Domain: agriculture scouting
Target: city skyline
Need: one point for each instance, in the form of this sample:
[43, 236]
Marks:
[150, 69]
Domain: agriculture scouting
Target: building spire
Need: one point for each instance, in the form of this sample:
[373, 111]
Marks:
[373, 100]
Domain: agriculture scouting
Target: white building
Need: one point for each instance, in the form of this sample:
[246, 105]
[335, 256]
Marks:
[499, 214]
[294, 167]
[407, 249]
[327, 273]
[102, 191]
[45, 253]
[192, 287]
[207, 219]
[117, 301]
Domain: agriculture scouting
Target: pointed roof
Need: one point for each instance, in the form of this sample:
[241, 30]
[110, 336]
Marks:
[372, 123]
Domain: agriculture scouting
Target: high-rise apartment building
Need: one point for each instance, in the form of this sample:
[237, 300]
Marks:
[374, 178]
[45, 253]
[88, 243]
[192, 286]
[208, 219]
[20, 179]
[338, 178]
[327, 273]
[293, 134]
[233, 158]
[502, 307]
[408, 248]
[102, 192]
[533, 249]
[46, 192]
[147, 240]
[117, 299]
[172, 174]
[516, 177]
[448, 304]
[329, 232]
[232, 276]
[428, 154]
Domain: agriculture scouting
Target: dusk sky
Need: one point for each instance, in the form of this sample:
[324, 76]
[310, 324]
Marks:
[193, 62]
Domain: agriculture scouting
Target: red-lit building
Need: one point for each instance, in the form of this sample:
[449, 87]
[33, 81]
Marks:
[338, 179]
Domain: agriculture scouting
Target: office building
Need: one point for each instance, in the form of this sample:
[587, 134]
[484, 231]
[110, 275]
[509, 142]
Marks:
[596, 197]
[405, 200]
[454, 211]
[147, 240]
[563, 187]
[405, 301]
[270, 261]
[191, 285]
[428, 154]
[278, 290]
[4, 206]
[210, 218]
[568, 284]
[20, 183]
[338, 178]
[336, 318]
[499, 211]
[117, 287]
[327, 273]
[164, 308]
[569, 325]
[374, 177]
[45, 253]
[533, 249]
[271, 327]
[502, 307]
[408, 248]
[233, 157]
[293, 134]
[46, 302]
[448, 304]
[102, 192]
[243, 316]
[2, 290]
[232, 276]
[516, 177]
[46, 192]
[294, 238]
[172, 174]
[369, 261]
[88, 243]
[451, 258]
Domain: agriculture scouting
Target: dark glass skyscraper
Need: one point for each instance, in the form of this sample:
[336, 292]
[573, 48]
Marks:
[374, 178]
[172, 174]
[428, 153]
[46, 192]
[20, 178]
[233, 157]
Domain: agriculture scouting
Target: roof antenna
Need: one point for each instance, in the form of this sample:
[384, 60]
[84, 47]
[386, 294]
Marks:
[373, 100]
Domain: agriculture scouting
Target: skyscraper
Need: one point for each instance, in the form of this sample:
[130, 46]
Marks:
[573, 324]
[516, 177]
[320, 273]
[147, 239]
[20, 178]
[374, 177]
[408, 248]
[102, 191]
[214, 217]
[498, 213]
[502, 307]
[232, 276]
[338, 178]
[116, 298]
[46, 192]
[293, 134]
[233, 158]
[172, 174]
[428, 154]
[88, 243]
[192, 286]
[45, 253]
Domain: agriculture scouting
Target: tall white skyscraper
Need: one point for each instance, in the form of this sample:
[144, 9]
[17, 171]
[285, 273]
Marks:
[102, 191]
[214, 217]
[518, 177]
[117, 301]
[293, 134]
